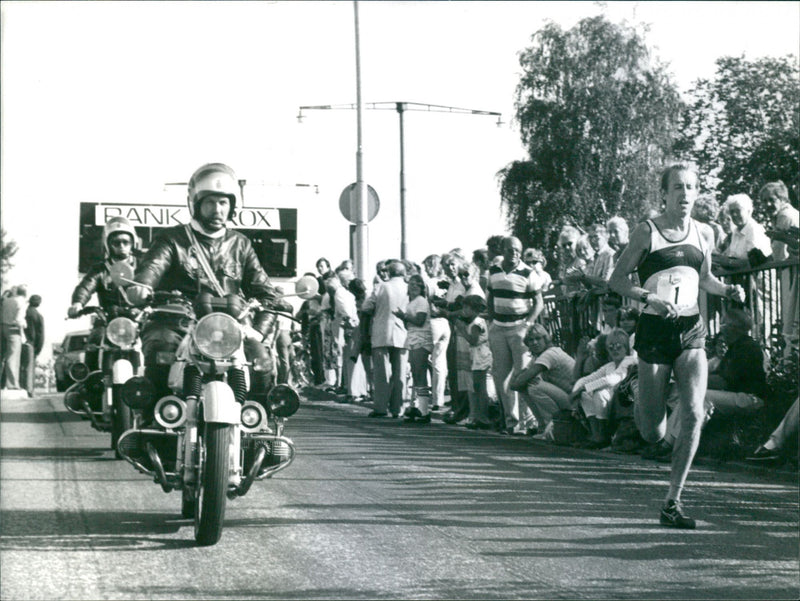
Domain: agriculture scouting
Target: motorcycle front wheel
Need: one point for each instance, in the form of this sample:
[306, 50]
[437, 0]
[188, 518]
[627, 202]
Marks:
[121, 418]
[213, 484]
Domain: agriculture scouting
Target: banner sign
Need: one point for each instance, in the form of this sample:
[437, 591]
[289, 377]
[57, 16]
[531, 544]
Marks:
[170, 215]
[273, 232]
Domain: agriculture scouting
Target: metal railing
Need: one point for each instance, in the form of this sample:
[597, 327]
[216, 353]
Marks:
[768, 288]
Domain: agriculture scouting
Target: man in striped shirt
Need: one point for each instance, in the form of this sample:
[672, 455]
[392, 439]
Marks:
[515, 301]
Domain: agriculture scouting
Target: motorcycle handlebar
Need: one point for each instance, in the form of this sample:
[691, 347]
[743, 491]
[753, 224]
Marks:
[88, 311]
[102, 314]
[161, 296]
[274, 307]
[281, 313]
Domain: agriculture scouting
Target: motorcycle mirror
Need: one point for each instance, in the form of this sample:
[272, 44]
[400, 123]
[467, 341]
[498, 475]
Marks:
[306, 287]
[121, 273]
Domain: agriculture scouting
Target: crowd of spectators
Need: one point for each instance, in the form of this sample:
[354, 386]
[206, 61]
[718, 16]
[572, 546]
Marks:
[21, 325]
[460, 336]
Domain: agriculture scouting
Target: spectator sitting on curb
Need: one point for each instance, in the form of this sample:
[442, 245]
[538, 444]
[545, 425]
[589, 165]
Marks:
[592, 393]
[547, 379]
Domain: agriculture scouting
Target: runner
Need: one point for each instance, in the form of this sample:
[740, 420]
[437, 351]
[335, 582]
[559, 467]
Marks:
[672, 254]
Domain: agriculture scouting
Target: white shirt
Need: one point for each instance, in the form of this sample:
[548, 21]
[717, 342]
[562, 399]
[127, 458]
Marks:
[607, 376]
[744, 240]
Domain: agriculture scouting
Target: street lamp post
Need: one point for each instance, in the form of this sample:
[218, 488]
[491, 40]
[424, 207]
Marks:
[361, 250]
[402, 108]
[403, 249]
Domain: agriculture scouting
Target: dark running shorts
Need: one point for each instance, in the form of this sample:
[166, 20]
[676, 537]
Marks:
[661, 341]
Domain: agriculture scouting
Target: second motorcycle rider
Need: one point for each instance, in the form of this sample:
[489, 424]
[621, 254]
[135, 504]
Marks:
[180, 259]
[119, 244]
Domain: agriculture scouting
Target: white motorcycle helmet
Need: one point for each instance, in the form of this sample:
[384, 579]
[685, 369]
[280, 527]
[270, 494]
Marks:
[213, 178]
[117, 225]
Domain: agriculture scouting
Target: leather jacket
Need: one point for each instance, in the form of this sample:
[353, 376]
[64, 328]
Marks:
[171, 264]
[98, 280]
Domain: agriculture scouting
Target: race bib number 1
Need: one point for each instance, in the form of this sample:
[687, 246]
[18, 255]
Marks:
[669, 288]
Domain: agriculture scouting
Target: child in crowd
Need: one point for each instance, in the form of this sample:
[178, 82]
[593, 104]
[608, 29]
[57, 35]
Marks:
[608, 318]
[627, 319]
[420, 343]
[591, 354]
[361, 349]
[473, 328]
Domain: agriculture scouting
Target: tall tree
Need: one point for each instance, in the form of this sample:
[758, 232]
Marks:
[742, 127]
[597, 114]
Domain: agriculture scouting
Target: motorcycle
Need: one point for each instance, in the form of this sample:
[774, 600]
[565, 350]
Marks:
[212, 437]
[96, 393]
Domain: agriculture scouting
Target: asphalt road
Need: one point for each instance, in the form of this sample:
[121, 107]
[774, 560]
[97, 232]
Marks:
[378, 509]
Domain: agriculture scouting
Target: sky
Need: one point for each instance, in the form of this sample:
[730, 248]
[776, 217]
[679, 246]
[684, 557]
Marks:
[109, 101]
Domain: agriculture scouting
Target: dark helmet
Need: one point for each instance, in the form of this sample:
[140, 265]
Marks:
[213, 178]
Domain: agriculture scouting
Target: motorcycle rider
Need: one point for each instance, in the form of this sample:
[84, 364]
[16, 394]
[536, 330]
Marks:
[119, 244]
[173, 264]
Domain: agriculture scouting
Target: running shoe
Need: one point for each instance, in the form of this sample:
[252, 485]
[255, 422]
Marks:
[672, 516]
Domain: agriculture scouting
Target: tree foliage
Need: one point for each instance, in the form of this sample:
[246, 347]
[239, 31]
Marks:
[8, 248]
[742, 128]
[597, 114]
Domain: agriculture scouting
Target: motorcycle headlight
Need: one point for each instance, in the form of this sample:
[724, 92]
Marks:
[138, 393]
[217, 336]
[170, 412]
[78, 371]
[122, 332]
[283, 401]
[253, 416]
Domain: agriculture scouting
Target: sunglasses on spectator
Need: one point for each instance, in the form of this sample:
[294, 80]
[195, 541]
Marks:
[614, 345]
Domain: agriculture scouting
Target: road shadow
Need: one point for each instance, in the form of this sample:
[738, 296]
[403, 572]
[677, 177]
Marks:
[526, 500]
[41, 417]
[62, 530]
[53, 454]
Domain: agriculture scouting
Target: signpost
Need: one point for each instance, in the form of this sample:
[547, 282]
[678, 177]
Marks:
[348, 203]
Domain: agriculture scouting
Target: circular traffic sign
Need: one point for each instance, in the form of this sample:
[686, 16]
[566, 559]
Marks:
[348, 203]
